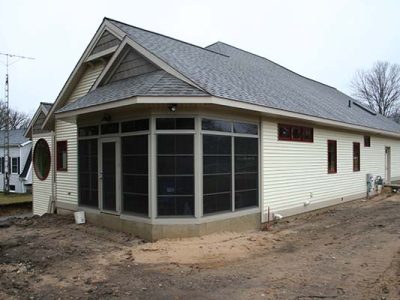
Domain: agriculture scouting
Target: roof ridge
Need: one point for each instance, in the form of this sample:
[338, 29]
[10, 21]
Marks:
[166, 36]
[332, 87]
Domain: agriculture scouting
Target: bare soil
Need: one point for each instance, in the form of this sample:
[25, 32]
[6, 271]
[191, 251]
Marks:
[350, 251]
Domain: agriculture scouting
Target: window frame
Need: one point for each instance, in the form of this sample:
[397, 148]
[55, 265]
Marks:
[46, 174]
[61, 147]
[330, 169]
[291, 128]
[356, 157]
[158, 132]
[367, 141]
[17, 165]
[232, 134]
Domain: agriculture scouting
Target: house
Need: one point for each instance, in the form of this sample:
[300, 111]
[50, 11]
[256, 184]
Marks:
[161, 138]
[20, 161]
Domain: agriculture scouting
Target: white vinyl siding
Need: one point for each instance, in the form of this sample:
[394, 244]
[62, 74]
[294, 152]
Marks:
[86, 81]
[67, 181]
[42, 190]
[296, 172]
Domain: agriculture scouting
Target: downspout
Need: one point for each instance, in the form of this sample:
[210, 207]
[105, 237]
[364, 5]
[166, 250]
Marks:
[53, 179]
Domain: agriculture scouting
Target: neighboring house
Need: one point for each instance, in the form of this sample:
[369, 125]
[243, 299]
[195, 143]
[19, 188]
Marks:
[162, 138]
[20, 162]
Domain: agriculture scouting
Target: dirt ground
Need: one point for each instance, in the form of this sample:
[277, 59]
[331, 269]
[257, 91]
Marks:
[351, 251]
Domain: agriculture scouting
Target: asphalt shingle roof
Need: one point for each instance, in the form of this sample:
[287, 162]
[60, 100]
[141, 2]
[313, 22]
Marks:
[16, 137]
[228, 72]
[157, 83]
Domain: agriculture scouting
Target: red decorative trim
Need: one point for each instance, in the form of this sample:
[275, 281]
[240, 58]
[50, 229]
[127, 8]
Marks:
[356, 157]
[332, 169]
[38, 175]
[62, 146]
[291, 129]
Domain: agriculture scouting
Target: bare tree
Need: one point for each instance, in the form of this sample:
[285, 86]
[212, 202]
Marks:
[379, 88]
[17, 119]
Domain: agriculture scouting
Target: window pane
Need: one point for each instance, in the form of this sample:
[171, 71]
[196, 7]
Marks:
[109, 128]
[246, 198]
[246, 181]
[136, 125]
[216, 125]
[297, 133]
[284, 132]
[245, 128]
[216, 183]
[216, 203]
[41, 159]
[308, 134]
[136, 203]
[175, 123]
[246, 146]
[246, 163]
[135, 181]
[356, 157]
[88, 131]
[217, 164]
[246, 172]
[87, 170]
[175, 174]
[175, 206]
[62, 155]
[367, 141]
[216, 144]
[175, 185]
[135, 145]
[174, 144]
[332, 157]
[217, 173]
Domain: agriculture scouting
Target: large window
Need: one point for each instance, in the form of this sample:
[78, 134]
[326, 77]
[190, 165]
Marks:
[332, 157]
[87, 162]
[135, 180]
[230, 165]
[217, 173]
[246, 172]
[175, 168]
[295, 133]
[356, 157]
[62, 156]
[41, 159]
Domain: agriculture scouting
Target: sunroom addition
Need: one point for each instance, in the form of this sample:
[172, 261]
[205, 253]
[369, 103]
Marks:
[185, 167]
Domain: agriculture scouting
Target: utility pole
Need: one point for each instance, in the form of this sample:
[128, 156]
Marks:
[6, 167]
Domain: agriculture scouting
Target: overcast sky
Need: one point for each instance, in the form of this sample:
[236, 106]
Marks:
[321, 39]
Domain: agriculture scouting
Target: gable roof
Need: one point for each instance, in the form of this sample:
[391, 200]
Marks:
[227, 72]
[16, 137]
[44, 107]
[156, 83]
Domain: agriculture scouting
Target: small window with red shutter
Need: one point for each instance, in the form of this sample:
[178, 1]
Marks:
[62, 156]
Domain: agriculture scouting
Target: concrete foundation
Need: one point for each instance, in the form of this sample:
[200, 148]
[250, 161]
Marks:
[154, 232]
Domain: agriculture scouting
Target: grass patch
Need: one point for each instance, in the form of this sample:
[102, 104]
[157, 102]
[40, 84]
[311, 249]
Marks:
[14, 198]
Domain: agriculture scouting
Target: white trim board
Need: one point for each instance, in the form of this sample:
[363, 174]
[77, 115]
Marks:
[265, 111]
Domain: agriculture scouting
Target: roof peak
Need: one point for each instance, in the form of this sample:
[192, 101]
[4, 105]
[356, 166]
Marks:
[166, 36]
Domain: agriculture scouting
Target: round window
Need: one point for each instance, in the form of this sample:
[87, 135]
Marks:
[41, 159]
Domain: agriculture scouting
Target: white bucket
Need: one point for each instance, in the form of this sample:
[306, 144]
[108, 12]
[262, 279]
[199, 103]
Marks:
[79, 217]
[379, 188]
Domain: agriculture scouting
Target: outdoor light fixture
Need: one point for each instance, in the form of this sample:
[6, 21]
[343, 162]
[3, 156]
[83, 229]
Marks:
[172, 107]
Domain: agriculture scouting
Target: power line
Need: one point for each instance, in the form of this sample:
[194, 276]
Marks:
[6, 173]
